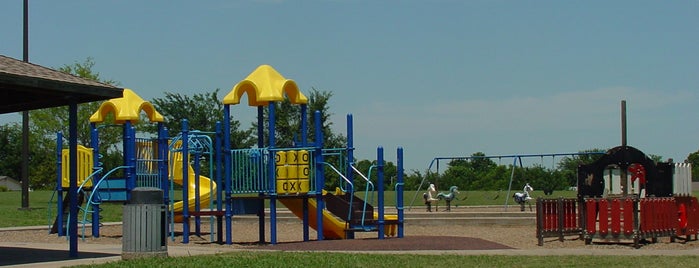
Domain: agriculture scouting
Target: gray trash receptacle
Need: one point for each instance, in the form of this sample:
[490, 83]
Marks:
[144, 224]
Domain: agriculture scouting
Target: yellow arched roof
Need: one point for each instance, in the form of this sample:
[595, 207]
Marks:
[265, 85]
[126, 108]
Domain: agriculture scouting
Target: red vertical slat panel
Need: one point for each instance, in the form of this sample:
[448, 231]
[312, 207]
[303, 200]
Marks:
[551, 213]
[693, 216]
[616, 217]
[570, 217]
[603, 217]
[591, 208]
[628, 216]
[645, 215]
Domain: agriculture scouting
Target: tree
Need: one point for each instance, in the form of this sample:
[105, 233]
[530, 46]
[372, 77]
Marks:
[42, 165]
[476, 172]
[568, 166]
[9, 147]
[45, 123]
[202, 111]
[288, 122]
[693, 159]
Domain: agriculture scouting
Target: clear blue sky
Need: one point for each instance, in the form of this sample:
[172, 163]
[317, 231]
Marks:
[440, 78]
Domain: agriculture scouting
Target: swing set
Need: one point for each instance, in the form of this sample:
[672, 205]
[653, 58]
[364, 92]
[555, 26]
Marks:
[516, 161]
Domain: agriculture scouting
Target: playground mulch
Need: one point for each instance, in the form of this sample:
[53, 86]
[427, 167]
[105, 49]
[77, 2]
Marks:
[408, 243]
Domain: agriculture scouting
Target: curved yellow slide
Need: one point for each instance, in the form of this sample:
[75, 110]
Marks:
[333, 228]
[206, 186]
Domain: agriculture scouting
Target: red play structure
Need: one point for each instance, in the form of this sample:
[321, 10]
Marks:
[624, 197]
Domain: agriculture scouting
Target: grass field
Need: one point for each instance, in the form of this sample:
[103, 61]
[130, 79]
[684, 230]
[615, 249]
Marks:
[42, 204]
[339, 260]
[42, 212]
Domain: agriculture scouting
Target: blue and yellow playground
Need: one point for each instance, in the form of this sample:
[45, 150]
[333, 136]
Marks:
[238, 181]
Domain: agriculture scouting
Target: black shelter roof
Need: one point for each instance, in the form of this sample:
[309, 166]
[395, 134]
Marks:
[26, 86]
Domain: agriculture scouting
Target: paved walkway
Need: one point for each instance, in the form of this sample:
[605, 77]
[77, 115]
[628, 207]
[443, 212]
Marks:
[21, 254]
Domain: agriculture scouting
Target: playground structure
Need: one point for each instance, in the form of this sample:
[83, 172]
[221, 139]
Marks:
[624, 197]
[240, 181]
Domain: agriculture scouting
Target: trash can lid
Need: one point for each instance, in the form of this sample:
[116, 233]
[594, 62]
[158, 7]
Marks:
[146, 195]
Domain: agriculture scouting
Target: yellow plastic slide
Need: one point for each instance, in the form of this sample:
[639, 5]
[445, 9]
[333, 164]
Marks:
[333, 228]
[205, 184]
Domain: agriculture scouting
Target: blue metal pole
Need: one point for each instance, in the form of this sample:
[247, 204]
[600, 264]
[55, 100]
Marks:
[185, 182]
[380, 189]
[350, 152]
[320, 176]
[73, 179]
[94, 143]
[163, 156]
[219, 189]
[304, 125]
[261, 144]
[128, 159]
[271, 177]
[227, 169]
[399, 193]
[197, 190]
[59, 184]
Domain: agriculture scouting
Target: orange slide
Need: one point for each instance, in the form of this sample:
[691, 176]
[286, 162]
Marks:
[333, 228]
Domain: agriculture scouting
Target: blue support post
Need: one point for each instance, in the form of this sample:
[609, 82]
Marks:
[163, 166]
[304, 125]
[380, 189]
[349, 173]
[129, 158]
[94, 143]
[197, 206]
[350, 154]
[304, 143]
[305, 218]
[399, 193]
[271, 173]
[261, 144]
[227, 168]
[73, 179]
[219, 190]
[59, 185]
[320, 177]
[185, 181]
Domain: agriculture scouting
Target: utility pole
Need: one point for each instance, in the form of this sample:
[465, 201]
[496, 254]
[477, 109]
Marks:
[25, 119]
[624, 166]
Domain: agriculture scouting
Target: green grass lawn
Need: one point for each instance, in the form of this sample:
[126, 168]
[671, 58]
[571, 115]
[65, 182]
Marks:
[323, 259]
[41, 213]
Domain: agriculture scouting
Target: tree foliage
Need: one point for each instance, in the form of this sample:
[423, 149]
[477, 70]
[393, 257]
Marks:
[478, 172]
[693, 159]
[202, 111]
[45, 123]
[288, 122]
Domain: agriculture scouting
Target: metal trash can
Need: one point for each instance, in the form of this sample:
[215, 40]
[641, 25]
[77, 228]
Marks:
[144, 224]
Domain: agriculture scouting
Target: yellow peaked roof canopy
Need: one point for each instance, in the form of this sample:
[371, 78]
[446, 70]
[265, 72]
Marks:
[126, 108]
[265, 85]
